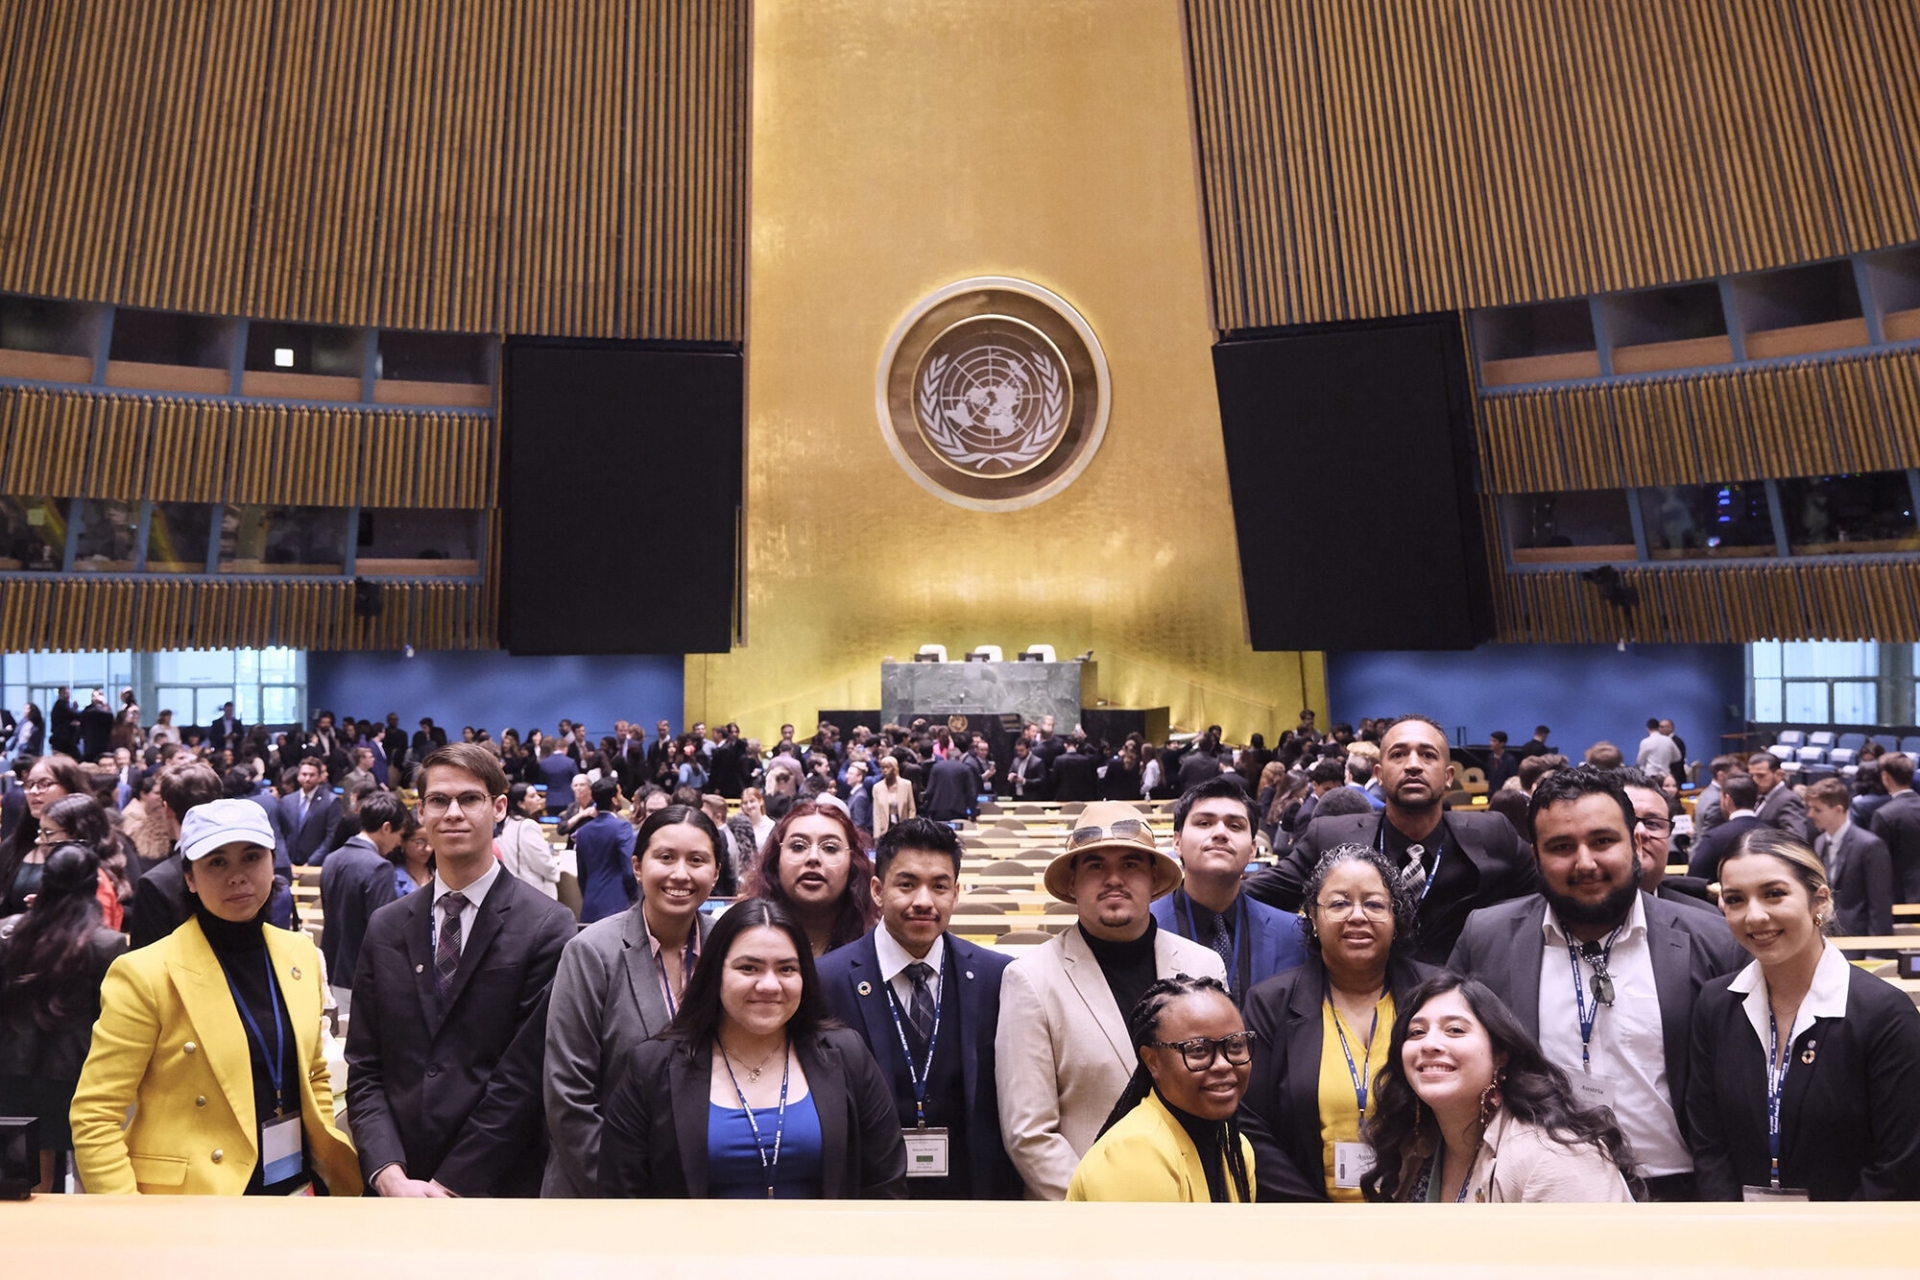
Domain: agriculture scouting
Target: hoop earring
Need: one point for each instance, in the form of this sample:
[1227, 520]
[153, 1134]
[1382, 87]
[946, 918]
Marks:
[1490, 1100]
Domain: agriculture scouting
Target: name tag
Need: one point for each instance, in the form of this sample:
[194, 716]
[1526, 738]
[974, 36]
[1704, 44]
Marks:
[280, 1149]
[1592, 1091]
[1352, 1161]
[1774, 1195]
[926, 1152]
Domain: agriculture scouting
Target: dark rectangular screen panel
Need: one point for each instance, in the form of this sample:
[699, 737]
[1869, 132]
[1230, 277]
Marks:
[1349, 457]
[613, 455]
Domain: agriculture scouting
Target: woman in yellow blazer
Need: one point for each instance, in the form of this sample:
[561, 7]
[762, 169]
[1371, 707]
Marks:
[212, 1037]
[1173, 1136]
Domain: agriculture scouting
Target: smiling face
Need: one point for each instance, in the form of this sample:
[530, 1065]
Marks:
[1217, 838]
[1769, 909]
[916, 897]
[1448, 1058]
[814, 861]
[233, 881]
[677, 871]
[464, 832]
[1415, 765]
[760, 986]
[1353, 918]
[1211, 1094]
[1112, 888]
[1589, 865]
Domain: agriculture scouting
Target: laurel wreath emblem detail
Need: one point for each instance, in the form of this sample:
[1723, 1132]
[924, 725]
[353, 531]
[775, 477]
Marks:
[1024, 449]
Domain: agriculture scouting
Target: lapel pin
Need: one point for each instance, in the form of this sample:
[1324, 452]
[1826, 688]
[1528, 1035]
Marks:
[969, 973]
[296, 973]
[419, 968]
[1807, 1057]
[865, 988]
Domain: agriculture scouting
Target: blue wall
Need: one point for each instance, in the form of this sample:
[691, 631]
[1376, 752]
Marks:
[1585, 693]
[494, 689]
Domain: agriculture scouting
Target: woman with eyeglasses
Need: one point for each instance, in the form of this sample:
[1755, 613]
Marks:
[1173, 1135]
[1470, 1110]
[79, 819]
[817, 866]
[22, 855]
[753, 1092]
[1806, 1069]
[1324, 1028]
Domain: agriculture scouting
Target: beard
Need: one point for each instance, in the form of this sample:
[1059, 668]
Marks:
[1612, 909]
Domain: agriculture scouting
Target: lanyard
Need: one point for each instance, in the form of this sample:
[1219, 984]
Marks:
[1439, 847]
[772, 1166]
[686, 972]
[1362, 1083]
[1237, 980]
[1587, 1019]
[1776, 1086]
[276, 1060]
[919, 1079]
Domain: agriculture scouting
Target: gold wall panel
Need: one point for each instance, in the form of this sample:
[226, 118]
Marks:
[899, 145]
[1385, 157]
[526, 166]
[107, 445]
[1815, 417]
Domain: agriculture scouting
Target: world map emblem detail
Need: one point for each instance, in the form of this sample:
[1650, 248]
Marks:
[993, 393]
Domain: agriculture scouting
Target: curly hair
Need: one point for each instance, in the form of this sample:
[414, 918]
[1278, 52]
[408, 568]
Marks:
[857, 911]
[1406, 907]
[1402, 1131]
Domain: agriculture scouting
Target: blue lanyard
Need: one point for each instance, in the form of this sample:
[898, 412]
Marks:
[1236, 981]
[1776, 1086]
[1362, 1081]
[919, 1079]
[1587, 1019]
[772, 1166]
[277, 1060]
[1439, 847]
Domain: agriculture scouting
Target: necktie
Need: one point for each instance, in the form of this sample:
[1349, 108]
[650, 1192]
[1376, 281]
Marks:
[1416, 873]
[1223, 943]
[921, 1014]
[446, 955]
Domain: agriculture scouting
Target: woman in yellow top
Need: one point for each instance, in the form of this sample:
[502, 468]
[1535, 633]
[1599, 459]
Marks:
[1322, 1029]
[212, 1035]
[1172, 1136]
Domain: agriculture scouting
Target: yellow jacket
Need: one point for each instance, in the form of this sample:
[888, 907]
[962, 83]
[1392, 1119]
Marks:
[170, 1046]
[1148, 1156]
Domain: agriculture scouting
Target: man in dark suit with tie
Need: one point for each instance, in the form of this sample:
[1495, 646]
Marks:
[1779, 806]
[928, 1004]
[1454, 862]
[1859, 865]
[1897, 822]
[1739, 797]
[309, 815]
[445, 1046]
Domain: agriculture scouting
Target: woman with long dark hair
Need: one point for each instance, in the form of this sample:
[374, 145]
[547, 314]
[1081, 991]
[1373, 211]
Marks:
[80, 819]
[21, 854]
[29, 735]
[1471, 1110]
[817, 865]
[1173, 1135]
[52, 960]
[787, 1103]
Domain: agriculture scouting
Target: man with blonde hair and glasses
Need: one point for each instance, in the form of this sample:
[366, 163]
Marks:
[1063, 1054]
[449, 1024]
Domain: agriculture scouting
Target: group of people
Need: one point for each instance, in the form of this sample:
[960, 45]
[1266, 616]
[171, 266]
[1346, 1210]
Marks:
[1411, 1003]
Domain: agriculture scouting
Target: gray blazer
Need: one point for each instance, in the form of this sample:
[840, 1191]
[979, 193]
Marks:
[1501, 947]
[606, 1002]
[1784, 809]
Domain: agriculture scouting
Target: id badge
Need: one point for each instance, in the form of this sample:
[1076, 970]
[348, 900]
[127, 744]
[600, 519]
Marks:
[1774, 1195]
[926, 1152]
[1351, 1162]
[281, 1149]
[1592, 1091]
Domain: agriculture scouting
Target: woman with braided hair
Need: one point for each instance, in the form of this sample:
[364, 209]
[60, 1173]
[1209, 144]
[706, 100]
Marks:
[1173, 1136]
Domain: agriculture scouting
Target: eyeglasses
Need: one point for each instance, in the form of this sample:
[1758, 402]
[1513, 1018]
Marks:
[1655, 825]
[39, 784]
[472, 802]
[1199, 1053]
[829, 847]
[1368, 909]
[1125, 831]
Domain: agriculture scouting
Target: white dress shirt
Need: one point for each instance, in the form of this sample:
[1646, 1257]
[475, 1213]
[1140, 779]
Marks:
[1826, 997]
[1628, 1049]
[476, 894]
[894, 960]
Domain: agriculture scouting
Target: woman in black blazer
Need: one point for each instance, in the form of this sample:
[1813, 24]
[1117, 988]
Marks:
[1359, 943]
[752, 1091]
[1838, 1047]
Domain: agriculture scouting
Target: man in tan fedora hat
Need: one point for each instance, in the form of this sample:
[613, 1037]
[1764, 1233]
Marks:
[1063, 1054]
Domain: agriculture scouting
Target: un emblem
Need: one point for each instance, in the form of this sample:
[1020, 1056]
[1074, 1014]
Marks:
[993, 393]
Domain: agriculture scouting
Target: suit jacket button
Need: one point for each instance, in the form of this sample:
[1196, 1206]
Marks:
[191, 1047]
[200, 1101]
[419, 968]
[218, 1155]
[433, 1068]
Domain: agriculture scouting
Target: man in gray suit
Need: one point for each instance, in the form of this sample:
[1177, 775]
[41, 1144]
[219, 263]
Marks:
[1709, 812]
[1779, 806]
[1859, 866]
[1604, 975]
[1898, 823]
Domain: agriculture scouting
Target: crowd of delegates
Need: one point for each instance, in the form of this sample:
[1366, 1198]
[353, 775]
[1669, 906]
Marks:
[1411, 1002]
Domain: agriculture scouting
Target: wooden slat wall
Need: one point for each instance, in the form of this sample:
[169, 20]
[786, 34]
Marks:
[1369, 158]
[1815, 417]
[94, 444]
[523, 166]
[121, 613]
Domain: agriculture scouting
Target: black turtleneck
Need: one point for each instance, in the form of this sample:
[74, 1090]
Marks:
[241, 949]
[1210, 1138]
[1129, 966]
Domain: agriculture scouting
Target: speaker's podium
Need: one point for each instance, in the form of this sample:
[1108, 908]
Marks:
[940, 691]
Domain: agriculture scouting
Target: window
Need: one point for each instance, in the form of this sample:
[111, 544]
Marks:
[414, 542]
[1814, 682]
[177, 537]
[1580, 526]
[1849, 514]
[109, 533]
[33, 534]
[1711, 521]
[283, 540]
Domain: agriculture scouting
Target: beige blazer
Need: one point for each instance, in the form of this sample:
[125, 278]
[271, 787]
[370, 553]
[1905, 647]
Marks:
[1519, 1163]
[902, 795]
[1062, 1056]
